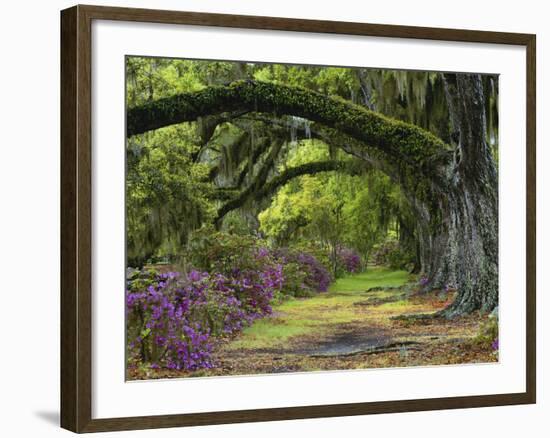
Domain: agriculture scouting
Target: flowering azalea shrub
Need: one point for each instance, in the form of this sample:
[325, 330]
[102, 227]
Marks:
[349, 260]
[162, 328]
[214, 251]
[253, 272]
[294, 284]
[317, 250]
[304, 274]
[318, 277]
[300, 273]
[172, 321]
[256, 289]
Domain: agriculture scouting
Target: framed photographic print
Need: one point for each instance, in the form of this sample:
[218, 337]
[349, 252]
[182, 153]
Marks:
[268, 218]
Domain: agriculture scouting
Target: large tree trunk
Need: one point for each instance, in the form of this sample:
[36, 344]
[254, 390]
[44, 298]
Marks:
[463, 250]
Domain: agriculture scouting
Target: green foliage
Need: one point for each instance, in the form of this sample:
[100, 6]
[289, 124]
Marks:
[376, 205]
[166, 192]
[214, 251]
[399, 259]
[316, 249]
[390, 253]
[295, 278]
[148, 79]
[165, 195]
[488, 332]
[324, 211]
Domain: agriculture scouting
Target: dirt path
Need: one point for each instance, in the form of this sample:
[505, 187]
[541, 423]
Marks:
[351, 326]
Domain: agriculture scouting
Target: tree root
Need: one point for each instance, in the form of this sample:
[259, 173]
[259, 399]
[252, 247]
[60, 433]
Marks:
[448, 312]
[395, 346]
[413, 317]
[384, 288]
[379, 301]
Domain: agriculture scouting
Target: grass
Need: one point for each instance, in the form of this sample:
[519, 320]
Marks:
[319, 314]
[272, 331]
[374, 277]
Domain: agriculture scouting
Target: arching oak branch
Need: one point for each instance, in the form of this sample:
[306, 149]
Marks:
[257, 192]
[402, 141]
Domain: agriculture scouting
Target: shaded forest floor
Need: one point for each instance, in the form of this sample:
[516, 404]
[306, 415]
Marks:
[350, 327]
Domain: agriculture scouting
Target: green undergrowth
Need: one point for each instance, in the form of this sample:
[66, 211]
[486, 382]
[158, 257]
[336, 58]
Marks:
[374, 277]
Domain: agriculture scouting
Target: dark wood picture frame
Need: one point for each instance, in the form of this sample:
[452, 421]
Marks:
[76, 218]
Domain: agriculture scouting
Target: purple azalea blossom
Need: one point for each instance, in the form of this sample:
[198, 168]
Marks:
[350, 260]
[182, 316]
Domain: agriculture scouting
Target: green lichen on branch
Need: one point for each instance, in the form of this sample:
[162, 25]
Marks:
[399, 140]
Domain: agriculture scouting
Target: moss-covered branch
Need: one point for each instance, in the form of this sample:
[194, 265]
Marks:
[260, 189]
[313, 168]
[402, 141]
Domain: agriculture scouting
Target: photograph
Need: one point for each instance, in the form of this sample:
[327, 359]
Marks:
[274, 219]
[289, 218]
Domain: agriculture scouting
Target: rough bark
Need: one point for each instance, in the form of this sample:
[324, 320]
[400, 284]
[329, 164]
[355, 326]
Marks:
[461, 248]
